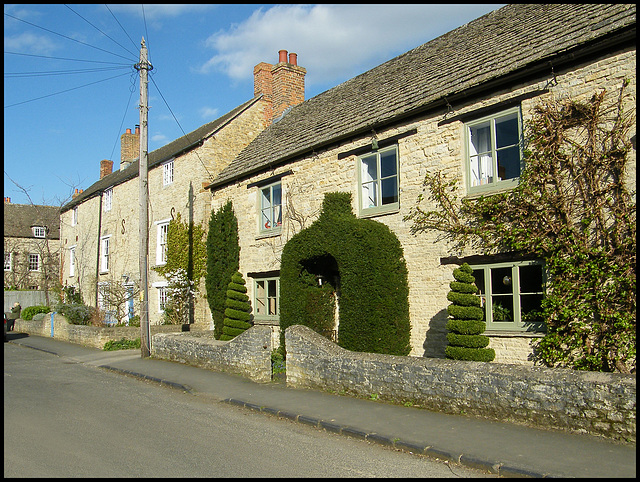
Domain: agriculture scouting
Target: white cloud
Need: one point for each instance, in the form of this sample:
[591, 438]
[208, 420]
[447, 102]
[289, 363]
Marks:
[209, 113]
[29, 43]
[332, 41]
[156, 11]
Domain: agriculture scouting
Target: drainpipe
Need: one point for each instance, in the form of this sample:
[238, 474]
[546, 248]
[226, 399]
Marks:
[98, 250]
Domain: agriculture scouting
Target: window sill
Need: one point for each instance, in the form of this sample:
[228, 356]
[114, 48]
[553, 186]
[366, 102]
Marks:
[489, 190]
[266, 322]
[514, 334]
[269, 234]
[383, 211]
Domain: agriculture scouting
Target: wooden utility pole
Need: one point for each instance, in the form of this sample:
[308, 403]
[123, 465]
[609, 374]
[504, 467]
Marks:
[145, 339]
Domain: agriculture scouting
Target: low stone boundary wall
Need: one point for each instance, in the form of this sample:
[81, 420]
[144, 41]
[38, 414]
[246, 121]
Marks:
[584, 402]
[93, 336]
[248, 354]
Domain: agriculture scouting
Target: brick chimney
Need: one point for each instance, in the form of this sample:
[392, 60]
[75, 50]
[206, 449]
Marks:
[106, 166]
[282, 84]
[129, 147]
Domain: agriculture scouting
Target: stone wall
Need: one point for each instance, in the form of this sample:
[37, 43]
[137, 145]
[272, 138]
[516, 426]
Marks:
[584, 402]
[248, 354]
[93, 336]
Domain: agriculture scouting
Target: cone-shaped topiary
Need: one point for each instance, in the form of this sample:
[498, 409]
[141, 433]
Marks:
[466, 325]
[237, 315]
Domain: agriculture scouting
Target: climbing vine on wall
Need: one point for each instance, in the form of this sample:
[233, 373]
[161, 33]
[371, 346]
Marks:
[574, 209]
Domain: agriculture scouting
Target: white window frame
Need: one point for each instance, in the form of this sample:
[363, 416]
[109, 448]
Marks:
[8, 260]
[269, 209]
[266, 306]
[39, 231]
[74, 216]
[34, 260]
[72, 261]
[162, 287]
[108, 199]
[162, 237]
[370, 187]
[167, 173]
[478, 182]
[105, 254]
[489, 294]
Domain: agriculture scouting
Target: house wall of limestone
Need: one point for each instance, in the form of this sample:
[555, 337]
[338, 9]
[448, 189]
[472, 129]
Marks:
[191, 169]
[432, 147]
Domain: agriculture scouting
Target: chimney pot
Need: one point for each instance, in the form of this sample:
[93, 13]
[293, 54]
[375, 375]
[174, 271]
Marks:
[128, 131]
[283, 56]
[137, 129]
[293, 59]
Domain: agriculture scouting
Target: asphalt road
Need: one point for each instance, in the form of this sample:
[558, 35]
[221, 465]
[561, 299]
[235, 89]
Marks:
[67, 419]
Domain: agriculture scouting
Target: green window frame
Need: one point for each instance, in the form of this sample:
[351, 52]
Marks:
[271, 208]
[379, 181]
[266, 299]
[512, 294]
[494, 151]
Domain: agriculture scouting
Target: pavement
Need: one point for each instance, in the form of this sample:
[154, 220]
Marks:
[505, 449]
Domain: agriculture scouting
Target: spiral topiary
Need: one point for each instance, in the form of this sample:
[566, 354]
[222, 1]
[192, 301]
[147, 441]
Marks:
[237, 315]
[465, 325]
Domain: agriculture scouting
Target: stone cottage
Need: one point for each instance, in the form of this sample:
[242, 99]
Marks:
[31, 246]
[456, 103]
[99, 234]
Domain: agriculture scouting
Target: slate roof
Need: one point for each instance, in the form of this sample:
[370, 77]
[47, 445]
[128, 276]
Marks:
[174, 148]
[509, 41]
[18, 219]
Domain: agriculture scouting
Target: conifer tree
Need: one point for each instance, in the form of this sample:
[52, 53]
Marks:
[223, 255]
[237, 315]
[465, 325]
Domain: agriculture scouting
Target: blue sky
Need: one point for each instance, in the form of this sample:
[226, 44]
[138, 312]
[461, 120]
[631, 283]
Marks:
[70, 88]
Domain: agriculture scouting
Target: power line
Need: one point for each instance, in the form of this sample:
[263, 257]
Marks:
[66, 58]
[63, 91]
[68, 38]
[117, 43]
[125, 32]
[183, 132]
[60, 72]
[131, 90]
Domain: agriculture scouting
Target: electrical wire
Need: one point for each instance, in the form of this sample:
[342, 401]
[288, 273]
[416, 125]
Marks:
[66, 37]
[66, 58]
[117, 43]
[125, 32]
[63, 91]
[13, 75]
[182, 130]
[118, 135]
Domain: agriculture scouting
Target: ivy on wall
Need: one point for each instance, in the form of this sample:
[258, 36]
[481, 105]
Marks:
[572, 208]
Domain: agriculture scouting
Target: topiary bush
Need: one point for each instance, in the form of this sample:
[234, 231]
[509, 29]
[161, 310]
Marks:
[356, 263]
[237, 315]
[223, 259]
[465, 326]
[29, 311]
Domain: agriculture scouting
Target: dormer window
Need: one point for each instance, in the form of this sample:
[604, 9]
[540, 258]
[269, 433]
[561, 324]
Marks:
[39, 231]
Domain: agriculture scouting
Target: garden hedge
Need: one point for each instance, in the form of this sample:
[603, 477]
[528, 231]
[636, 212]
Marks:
[362, 266]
